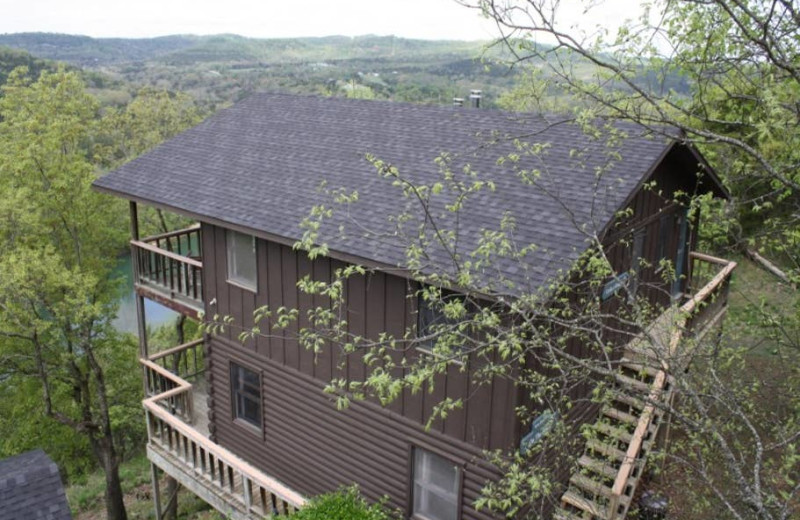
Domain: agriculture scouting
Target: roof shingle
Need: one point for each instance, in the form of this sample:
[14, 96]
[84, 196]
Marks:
[258, 165]
[31, 488]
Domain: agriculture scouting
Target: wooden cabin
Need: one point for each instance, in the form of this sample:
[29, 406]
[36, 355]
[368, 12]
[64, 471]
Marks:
[246, 426]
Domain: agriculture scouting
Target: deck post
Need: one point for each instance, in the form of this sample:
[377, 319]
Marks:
[140, 312]
[156, 490]
[248, 493]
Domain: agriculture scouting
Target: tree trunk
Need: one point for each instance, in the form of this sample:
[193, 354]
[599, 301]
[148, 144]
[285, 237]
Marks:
[115, 505]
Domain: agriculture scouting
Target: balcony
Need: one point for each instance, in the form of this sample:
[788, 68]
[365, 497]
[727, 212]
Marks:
[178, 442]
[168, 269]
[608, 473]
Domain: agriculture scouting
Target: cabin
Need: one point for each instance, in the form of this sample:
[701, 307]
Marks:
[246, 425]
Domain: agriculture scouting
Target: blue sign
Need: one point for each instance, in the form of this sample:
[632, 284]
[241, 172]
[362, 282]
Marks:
[613, 286]
[540, 427]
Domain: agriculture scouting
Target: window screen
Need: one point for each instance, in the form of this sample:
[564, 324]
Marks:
[436, 483]
[246, 393]
[242, 259]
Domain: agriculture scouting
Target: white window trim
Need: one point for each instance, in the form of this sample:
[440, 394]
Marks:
[235, 367]
[231, 277]
[434, 488]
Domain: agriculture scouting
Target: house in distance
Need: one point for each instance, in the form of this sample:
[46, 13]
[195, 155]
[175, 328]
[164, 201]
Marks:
[246, 425]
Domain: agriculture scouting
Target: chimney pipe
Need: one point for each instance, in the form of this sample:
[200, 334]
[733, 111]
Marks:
[475, 98]
[458, 102]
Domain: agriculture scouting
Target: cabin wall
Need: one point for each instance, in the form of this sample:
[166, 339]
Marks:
[651, 208]
[305, 441]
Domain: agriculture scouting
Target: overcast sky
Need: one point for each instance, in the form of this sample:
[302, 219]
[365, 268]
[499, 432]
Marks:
[426, 19]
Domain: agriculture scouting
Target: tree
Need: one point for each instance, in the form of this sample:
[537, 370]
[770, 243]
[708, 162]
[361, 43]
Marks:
[58, 243]
[150, 119]
[726, 73]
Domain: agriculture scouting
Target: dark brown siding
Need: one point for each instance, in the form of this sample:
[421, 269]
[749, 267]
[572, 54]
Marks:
[305, 441]
[313, 447]
[652, 207]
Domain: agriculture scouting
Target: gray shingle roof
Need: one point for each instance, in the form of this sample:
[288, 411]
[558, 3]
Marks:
[31, 489]
[258, 166]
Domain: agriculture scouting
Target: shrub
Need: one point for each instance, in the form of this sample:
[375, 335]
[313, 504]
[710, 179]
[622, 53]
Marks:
[345, 504]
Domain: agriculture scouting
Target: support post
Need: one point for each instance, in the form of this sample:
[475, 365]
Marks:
[140, 312]
[156, 490]
[248, 493]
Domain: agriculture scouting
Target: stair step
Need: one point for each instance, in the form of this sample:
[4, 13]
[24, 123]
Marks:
[584, 504]
[598, 466]
[633, 402]
[620, 434]
[620, 416]
[603, 448]
[630, 382]
[650, 368]
[590, 486]
[562, 514]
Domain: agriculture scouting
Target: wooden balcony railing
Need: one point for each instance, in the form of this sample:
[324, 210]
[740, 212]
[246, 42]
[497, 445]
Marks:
[703, 309]
[169, 415]
[168, 268]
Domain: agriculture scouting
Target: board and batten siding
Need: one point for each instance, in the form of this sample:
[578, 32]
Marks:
[309, 444]
[305, 441]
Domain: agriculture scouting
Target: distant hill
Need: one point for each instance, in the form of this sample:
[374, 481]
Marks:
[85, 51]
[10, 59]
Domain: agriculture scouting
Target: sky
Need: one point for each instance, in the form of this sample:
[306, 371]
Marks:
[424, 19]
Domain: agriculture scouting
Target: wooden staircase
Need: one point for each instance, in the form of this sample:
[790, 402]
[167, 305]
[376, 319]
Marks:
[592, 494]
[620, 441]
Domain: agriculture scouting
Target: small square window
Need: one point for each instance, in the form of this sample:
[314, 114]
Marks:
[246, 395]
[242, 259]
[436, 487]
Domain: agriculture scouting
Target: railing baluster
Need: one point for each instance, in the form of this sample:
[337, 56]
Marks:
[208, 462]
[248, 496]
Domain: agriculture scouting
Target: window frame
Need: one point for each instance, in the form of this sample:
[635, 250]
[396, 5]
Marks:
[233, 277]
[255, 427]
[638, 258]
[459, 476]
[427, 346]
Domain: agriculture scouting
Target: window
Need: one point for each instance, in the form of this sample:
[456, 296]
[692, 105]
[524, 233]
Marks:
[246, 394]
[665, 225]
[242, 259]
[637, 259]
[431, 318]
[436, 486]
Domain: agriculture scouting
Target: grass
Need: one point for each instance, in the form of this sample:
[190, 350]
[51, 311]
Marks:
[756, 299]
[86, 498]
[754, 294]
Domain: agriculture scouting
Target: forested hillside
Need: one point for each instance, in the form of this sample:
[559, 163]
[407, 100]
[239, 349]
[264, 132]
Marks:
[224, 68]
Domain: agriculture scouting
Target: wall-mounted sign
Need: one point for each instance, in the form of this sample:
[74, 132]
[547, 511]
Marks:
[614, 285]
[540, 427]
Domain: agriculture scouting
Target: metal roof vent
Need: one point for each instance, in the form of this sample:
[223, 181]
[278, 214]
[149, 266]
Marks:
[475, 98]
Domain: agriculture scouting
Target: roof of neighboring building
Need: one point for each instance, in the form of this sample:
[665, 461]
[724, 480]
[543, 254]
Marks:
[31, 488]
[258, 166]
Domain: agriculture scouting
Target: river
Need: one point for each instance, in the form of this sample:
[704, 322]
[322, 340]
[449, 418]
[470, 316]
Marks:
[125, 321]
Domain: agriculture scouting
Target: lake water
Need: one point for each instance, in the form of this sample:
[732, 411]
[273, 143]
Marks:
[155, 313]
